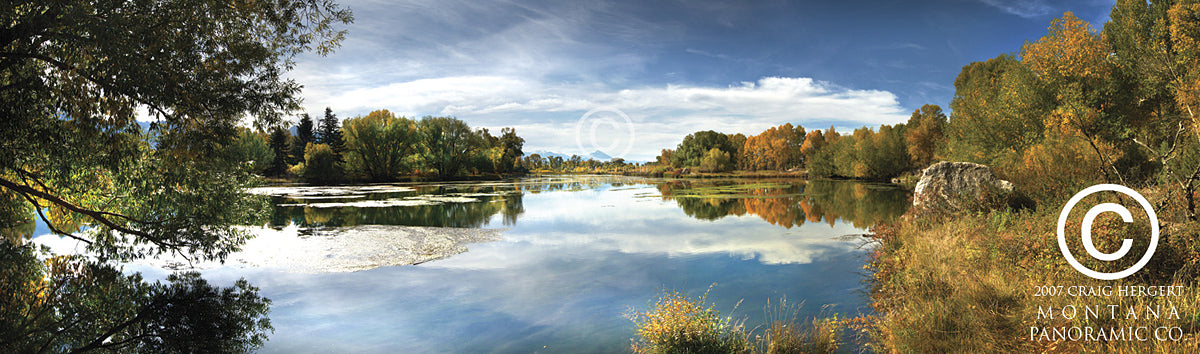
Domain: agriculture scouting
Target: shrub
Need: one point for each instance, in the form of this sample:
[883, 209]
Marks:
[679, 324]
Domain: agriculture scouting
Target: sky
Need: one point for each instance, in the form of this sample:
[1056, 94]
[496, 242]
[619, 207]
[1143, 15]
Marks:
[630, 78]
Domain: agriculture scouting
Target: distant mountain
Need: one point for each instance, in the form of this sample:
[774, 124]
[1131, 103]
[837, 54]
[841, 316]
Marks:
[595, 155]
[548, 154]
[599, 155]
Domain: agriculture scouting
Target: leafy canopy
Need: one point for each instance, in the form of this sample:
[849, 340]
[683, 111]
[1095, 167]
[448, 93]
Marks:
[73, 74]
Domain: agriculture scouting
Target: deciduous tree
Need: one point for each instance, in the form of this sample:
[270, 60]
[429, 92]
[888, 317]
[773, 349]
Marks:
[73, 75]
[380, 146]
[321, 165]
[924, 134]
[695, 145]
[450, 144]
[510, 145]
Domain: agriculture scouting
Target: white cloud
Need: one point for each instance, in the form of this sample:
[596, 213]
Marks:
[547, 114]
[540, 68]
[1023, 8]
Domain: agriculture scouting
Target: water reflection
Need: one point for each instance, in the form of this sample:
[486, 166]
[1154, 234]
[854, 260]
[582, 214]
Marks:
[788, 203]
[463, 206]
[583, 254]
[579, 252]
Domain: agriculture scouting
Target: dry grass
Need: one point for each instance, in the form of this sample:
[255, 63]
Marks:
[785, 331]
[968, 283]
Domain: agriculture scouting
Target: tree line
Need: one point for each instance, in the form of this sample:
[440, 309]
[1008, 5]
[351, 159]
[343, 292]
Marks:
[378, 147]
[1079, 105]
[865, 153]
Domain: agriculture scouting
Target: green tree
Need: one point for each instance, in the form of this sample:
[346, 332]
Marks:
[322, 165]
[998, 109]
[329, 133]
[304, 135]
[71, 88]
[1072, 62]
[380, 145]
[865, 154]
[250, 149]
[449, 145]
[716, 161]
[738, 141]
[1156, 48]
[695, 145]
[72, 76]
[279, 146]
[511, 145]
[70, 302]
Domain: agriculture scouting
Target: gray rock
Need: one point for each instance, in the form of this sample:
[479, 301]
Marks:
[958, 185]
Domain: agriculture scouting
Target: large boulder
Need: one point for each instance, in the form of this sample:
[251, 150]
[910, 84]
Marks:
[954, 186]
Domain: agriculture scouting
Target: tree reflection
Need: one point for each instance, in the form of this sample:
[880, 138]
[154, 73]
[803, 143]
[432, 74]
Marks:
[70, 303]
[790, 203]
[489, 202]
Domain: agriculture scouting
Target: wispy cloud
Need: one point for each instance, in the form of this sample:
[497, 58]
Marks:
[672, 67]
[1023, 8]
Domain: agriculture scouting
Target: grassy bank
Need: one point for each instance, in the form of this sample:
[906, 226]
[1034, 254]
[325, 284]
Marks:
[996, 282]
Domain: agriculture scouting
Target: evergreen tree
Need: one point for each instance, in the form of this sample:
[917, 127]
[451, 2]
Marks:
[304, 135]
[279, 144]
[331, 133]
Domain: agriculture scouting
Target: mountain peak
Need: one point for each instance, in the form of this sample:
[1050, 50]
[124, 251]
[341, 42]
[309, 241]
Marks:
[600, 155]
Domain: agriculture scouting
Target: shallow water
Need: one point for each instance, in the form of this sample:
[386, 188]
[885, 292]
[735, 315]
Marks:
[575, 255]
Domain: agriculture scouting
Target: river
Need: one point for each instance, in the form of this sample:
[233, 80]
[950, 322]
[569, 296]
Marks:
[571, 256]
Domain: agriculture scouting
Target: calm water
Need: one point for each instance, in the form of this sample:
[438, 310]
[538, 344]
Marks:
[578, 253]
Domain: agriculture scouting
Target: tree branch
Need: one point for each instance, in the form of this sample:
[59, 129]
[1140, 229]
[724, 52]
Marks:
[99, 216]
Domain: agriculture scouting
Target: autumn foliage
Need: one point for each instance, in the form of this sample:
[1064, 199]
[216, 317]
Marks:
[777, 148]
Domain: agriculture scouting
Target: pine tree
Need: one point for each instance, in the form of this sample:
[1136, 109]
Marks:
[279, 144]
[331, 133]
[304, 135]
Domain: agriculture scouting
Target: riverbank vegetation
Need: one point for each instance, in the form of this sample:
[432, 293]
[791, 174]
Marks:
[1080, 106]
[786, 150]
[380, 147]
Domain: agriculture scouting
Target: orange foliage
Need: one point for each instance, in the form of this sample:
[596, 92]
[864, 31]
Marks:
[780, 211]
[1185, 33]
[813, 142]
[777, 148]
[1071, 49]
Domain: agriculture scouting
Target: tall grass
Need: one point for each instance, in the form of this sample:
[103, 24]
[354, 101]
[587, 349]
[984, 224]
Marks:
[785, 332]
[967, 283]
[680, 324]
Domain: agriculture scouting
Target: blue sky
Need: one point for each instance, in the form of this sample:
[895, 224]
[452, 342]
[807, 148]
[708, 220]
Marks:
[650, 72]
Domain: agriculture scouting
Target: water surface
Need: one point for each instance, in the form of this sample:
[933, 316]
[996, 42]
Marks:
[575, 255]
